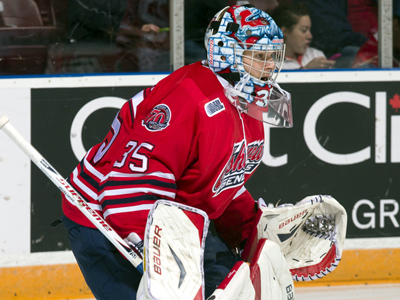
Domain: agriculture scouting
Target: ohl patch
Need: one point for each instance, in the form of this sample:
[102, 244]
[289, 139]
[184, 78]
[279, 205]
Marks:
[213, 107]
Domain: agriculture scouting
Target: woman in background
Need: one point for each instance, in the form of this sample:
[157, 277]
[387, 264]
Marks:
[295, 23]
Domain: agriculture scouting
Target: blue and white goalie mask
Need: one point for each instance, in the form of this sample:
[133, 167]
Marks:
[245, 45]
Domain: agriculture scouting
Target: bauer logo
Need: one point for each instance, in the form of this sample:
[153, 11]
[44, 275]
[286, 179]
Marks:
[239, 164]
[156, 248]
[158, 119]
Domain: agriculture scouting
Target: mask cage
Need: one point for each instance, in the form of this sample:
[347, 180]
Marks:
[262, 62]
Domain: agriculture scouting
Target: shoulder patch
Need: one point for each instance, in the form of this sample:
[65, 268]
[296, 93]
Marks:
[213, 107]
[158, 119]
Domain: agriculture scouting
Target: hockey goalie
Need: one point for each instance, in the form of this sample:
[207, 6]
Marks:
[170, 175]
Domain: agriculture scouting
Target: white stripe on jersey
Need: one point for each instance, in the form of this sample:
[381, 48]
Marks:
[112, 211]
[91, 169]
[102, 177]
[155, 174]
[95, 206]
[239, 192]
[136, 100]
[82, 186]
[130, 191]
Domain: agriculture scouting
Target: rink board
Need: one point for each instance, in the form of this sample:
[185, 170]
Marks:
[355, 159]
[24, 277]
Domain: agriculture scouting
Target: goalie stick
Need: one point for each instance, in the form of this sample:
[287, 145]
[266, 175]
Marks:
[71, 194]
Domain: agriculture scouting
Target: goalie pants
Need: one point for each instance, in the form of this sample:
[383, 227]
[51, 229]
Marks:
[111, 277]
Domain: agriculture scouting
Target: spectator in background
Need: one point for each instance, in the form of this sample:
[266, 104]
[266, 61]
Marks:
[295, 23]
[89, 45]
[363, 16]
[94, 20]
[332, 32]
[197, 17]
[367, 56]
[143, 36]
[140, 32]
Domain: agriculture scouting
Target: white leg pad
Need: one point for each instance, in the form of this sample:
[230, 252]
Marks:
[174, 249]
[267, 278]
[270, 274]
[236, 286]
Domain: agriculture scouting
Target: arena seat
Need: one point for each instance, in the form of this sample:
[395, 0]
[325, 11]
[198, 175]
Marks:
[17, 13]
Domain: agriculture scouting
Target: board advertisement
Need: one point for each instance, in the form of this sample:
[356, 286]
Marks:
[345, 142]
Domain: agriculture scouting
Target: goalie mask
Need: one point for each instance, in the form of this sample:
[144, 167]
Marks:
[245, 45]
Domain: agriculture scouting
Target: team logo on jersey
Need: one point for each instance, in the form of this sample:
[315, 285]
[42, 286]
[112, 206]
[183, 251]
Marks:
[238, 165]
[158, 119]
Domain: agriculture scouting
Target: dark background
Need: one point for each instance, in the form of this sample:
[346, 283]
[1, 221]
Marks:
[342, 128]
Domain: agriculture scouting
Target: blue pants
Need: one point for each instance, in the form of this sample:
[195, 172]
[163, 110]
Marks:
[111, 277]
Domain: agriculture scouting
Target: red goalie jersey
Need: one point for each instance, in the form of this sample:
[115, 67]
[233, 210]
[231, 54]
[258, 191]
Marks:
[181, 140]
